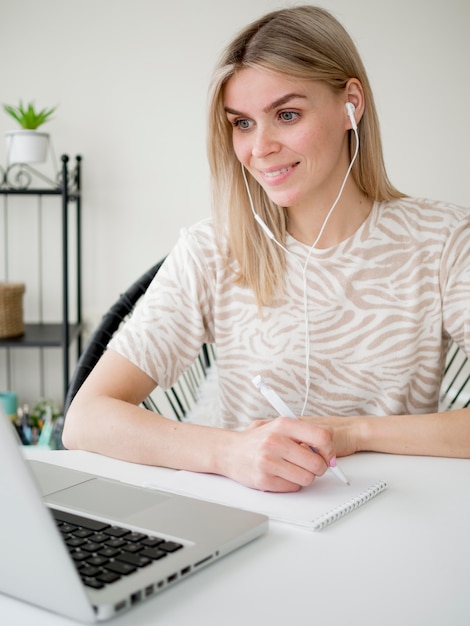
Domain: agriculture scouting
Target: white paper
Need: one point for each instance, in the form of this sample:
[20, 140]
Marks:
[304, 508]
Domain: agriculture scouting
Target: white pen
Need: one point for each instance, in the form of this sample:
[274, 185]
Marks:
[281, 407]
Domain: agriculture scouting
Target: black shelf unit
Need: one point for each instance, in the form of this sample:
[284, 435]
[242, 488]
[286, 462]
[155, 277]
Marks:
[63, 333]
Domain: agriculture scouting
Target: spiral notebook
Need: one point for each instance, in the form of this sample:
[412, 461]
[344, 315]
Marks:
[315, 507]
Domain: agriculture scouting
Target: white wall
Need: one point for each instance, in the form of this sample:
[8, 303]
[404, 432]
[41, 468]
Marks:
[130, 80]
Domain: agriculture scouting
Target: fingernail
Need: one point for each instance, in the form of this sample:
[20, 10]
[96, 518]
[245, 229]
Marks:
[333, 462]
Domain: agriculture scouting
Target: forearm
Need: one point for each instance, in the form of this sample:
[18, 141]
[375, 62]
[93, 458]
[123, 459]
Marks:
[122, 430]
[106, 417]
[268, 456]
[439, 434]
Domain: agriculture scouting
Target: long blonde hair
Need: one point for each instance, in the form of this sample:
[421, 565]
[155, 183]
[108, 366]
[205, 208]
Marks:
[304, 42]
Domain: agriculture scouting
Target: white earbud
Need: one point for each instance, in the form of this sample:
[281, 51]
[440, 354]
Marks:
[350, 108]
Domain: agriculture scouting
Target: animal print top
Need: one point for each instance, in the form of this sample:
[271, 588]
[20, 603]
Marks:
[382, 306]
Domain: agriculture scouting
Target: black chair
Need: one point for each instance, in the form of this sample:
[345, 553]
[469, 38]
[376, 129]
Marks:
[180, 398]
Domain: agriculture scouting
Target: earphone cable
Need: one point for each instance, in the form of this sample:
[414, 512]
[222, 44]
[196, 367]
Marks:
[304, 266]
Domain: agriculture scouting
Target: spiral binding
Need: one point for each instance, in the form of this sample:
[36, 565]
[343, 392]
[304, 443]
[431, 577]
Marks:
[349, 506]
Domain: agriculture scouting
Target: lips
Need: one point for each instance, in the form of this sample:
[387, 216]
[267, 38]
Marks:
[278, 175]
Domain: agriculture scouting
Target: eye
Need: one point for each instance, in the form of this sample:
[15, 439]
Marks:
[288, 116]
[242, 124]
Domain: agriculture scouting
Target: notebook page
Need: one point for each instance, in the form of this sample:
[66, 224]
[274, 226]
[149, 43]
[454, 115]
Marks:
[314, 507]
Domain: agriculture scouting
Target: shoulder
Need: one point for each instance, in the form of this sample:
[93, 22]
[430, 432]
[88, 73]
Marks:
[426, 211]
[197, 237]
[198, 255]
[202, 232]
[195, 244]
[200, 241]
[422, 218]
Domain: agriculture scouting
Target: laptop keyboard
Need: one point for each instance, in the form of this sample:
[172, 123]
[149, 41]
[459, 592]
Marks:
[103, 553]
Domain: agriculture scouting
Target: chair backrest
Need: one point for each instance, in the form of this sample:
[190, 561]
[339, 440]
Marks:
[455, 388]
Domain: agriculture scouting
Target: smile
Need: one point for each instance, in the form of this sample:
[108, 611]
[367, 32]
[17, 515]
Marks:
[276, 173]
[277, 177]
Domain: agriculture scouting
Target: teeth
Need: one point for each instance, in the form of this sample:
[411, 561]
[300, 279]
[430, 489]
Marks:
[276, 173]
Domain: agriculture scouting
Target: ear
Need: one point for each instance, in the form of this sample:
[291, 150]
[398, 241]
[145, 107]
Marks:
[354, 93]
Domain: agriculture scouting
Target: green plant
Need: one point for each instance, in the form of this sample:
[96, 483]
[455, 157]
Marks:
[28, 117]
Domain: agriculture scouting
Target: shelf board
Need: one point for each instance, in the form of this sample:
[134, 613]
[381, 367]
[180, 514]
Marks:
[41, 336]
[73, 194]
[10, 191]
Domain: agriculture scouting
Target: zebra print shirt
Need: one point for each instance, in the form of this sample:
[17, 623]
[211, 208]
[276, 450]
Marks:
[382, 306]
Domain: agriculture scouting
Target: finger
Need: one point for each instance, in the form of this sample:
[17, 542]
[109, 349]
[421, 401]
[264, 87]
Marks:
[299, 463]
[280, 485]
[290, 479]
[308, 458]
[292, 440]
[320, 440]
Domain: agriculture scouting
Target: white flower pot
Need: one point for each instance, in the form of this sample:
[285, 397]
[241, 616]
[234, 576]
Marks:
[26, 146]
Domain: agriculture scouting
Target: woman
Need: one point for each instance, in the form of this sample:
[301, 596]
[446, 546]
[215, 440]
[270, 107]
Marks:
[316, 273]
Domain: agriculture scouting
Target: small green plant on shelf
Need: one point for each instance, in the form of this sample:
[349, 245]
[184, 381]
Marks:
[28, 117]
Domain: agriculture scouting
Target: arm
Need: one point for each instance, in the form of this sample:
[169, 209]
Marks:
[104, 417]
[445, 434]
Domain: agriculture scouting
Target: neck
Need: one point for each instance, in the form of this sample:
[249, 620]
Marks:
[305, 223]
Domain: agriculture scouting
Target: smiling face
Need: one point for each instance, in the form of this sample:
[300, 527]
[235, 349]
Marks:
[291, 135]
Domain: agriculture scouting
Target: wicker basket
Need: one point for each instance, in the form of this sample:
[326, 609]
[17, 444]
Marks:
[11, 309]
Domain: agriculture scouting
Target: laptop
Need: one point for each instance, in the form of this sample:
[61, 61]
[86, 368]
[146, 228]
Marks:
[90, 548]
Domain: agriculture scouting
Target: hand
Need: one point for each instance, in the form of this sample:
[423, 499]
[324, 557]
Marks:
[343, 431]
[276, 455]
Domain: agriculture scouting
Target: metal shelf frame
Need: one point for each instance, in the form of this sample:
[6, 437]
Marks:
[17, 179]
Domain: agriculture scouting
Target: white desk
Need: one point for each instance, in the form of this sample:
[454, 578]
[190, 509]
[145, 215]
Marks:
[403, 559]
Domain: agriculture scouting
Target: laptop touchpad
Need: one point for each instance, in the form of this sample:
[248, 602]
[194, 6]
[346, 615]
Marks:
[107, 498]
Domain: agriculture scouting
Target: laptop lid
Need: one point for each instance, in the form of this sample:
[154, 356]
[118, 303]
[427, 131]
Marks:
[36, 565]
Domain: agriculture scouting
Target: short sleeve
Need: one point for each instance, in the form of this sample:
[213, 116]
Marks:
[173, 319]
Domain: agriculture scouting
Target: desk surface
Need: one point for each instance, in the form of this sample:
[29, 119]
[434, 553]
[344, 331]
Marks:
[402, 559]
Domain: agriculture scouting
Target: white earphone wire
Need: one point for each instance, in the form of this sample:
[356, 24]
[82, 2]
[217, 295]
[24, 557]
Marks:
[304, 266]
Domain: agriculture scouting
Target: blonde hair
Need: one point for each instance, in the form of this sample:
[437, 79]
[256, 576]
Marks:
[304, 42]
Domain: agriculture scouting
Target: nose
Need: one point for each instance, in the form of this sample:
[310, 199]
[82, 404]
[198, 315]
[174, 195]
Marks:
[264, 142]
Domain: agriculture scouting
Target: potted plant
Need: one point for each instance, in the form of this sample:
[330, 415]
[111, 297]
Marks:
[27, 145]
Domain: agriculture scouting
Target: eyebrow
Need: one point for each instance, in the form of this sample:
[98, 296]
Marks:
[277, 103]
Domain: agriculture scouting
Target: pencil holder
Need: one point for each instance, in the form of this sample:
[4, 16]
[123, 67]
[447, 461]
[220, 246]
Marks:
[11, 309]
